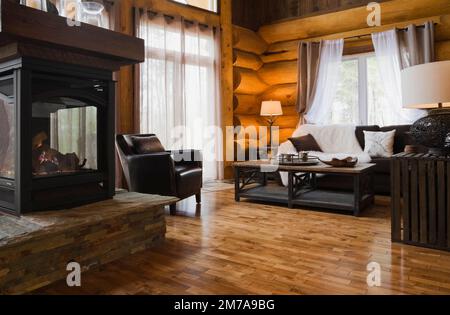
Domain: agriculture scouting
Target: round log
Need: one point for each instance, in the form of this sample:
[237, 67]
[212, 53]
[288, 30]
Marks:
[282, 134]
[247, 40]
[248, 82]
[246, 144]
[283, 51]
[358, 46]
[285, 93]
[443, 51]
[287, 121]
[443, 29]
[248, 120]
[291, 111]
[395, 14]
[279, 72]
[246, 60]
[245, 104]
[285, 134]
[236, 78]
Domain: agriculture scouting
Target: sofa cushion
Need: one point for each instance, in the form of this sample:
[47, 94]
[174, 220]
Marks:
[147, 145]
[305, 143]
[402, 137]
[359, 132]
[379, 144]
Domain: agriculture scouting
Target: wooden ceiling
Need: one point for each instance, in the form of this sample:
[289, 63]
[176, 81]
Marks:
[254, 13]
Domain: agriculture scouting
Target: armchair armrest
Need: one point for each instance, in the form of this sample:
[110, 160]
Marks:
[151, 173]
[193, 158]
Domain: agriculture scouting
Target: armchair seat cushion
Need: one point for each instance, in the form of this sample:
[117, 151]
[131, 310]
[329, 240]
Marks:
[189, 180]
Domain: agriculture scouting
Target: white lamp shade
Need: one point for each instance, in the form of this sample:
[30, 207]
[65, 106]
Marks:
[425, 86]
[271, 108]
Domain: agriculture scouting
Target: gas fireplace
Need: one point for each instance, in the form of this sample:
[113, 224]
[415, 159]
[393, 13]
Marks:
[56, 136]
[57, 109]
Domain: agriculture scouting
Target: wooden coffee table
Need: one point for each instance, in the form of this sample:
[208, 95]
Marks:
[251, 183]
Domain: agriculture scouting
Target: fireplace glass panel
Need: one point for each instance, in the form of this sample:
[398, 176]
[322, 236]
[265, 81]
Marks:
[64, 137]
[7, 127]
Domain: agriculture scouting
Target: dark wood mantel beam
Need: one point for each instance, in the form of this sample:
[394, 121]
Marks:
[19, 23]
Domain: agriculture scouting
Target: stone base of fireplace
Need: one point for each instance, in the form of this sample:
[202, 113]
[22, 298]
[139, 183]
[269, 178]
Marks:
[35, 249]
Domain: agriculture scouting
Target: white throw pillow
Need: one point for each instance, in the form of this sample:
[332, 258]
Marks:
[379, 144]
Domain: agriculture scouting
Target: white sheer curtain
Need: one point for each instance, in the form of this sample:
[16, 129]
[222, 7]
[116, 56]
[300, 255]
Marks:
[179, 87]
[327, 81]
[387, 52]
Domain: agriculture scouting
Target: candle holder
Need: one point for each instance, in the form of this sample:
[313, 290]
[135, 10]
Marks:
[92, 13]
[70, 9]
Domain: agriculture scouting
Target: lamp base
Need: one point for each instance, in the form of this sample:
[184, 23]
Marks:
[433, 132]
[439, 152]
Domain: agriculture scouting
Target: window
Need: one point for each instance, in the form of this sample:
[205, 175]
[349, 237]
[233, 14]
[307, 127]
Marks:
[210, 5]
[360, 98]
[179, 91]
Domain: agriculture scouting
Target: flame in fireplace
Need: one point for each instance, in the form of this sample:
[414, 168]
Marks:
[48, 161]
[46, 158]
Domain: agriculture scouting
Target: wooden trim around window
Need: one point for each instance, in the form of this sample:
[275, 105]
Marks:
[198, 8]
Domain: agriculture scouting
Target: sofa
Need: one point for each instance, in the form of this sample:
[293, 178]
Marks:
[351, 138]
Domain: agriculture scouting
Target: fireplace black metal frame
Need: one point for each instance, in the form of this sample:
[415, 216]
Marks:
[25, 193]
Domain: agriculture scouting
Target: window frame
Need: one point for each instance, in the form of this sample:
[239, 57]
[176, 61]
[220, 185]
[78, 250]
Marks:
[198, 8]
[363, 97]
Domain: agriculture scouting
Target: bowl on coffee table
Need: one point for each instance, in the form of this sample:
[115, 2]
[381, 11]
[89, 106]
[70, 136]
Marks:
[347, 162]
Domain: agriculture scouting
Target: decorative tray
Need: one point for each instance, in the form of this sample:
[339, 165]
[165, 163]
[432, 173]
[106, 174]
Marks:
[296, 160]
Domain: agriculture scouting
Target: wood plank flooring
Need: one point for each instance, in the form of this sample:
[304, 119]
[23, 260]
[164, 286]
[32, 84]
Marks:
[246, 248]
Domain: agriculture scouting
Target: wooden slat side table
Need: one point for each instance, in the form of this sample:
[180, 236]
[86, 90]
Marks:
[421, 200]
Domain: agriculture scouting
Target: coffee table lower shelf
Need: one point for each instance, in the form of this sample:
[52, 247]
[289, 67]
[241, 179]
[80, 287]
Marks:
[303, 190]
[317, 198]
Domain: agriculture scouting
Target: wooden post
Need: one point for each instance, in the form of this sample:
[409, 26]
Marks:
[227, 79]
[125, 86]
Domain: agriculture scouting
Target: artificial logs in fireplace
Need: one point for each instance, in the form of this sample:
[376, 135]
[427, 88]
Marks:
[48, 161]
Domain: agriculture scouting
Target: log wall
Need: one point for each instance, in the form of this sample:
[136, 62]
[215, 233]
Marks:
[257, 80]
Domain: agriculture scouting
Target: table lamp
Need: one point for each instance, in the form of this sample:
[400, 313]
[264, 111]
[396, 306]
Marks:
[273, 110]
[427, 86]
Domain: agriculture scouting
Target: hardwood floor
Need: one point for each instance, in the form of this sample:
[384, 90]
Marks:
[248, 248]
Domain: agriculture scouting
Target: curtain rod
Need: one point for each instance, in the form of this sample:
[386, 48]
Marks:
[172, 17]
[403, 29]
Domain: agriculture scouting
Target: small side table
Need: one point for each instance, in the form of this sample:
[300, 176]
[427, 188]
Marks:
[421, 200]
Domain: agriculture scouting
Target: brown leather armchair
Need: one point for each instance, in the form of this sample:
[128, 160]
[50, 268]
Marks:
[168, 173]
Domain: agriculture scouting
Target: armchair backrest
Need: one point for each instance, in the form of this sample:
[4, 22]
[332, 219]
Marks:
[125, 143]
